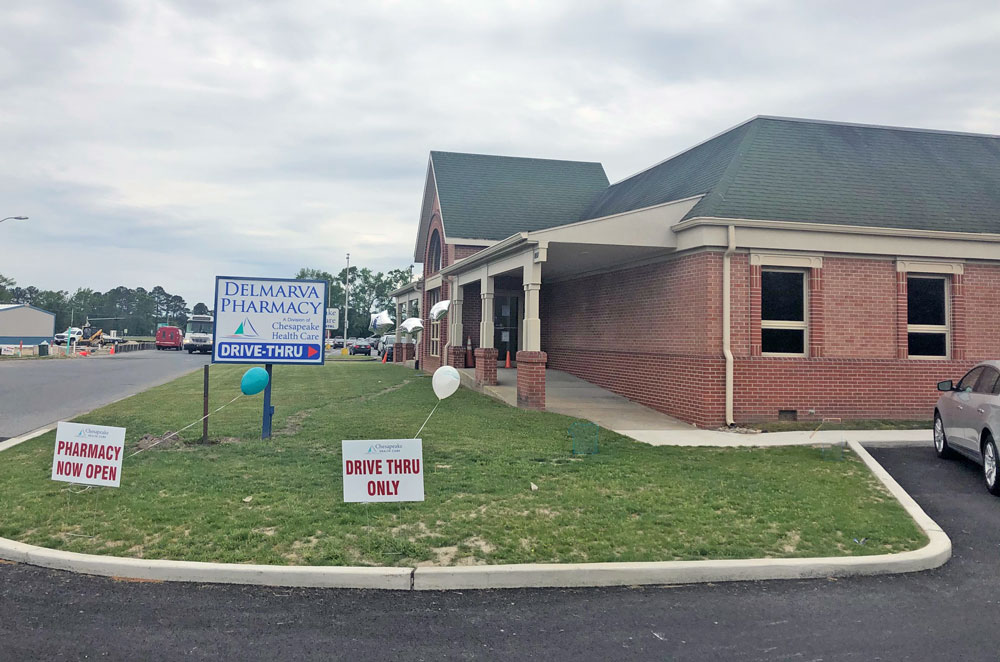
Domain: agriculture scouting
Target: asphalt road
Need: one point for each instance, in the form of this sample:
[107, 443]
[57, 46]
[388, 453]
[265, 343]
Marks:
[37, 392]
[946, 614]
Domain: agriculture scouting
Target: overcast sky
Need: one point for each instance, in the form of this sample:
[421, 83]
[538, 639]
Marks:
[162, 143]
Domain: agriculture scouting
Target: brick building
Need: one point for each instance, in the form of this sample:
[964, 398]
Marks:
[783, 268]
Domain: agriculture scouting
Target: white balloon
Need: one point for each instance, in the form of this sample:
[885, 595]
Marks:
[446, 381]
[412, 325]
[439, 309]
[381, 323]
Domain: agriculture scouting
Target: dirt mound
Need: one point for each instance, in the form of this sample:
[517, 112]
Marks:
[148, 441]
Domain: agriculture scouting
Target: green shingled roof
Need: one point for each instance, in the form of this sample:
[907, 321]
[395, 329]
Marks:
[822, 172]
[494, 197]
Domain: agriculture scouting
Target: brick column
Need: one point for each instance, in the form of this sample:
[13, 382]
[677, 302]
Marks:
[958, 337]
[531, 379]
[816, 317]
[754, 310]
[456, 356]
[486, 366]
[902, 341]
[398, 352]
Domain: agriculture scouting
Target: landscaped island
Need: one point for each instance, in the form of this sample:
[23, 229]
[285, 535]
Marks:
[241, 500]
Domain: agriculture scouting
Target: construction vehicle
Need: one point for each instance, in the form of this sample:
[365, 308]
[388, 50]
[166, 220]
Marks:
[91, 337]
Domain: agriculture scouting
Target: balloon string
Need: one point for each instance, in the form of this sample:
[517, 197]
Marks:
[174, 434]
[428, 418]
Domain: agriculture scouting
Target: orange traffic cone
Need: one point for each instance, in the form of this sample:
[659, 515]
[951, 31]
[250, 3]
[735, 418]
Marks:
[385, 355]
[507, 364]
[112, 350]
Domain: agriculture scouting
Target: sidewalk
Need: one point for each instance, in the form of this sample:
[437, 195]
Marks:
[572, 396]
[718, 438]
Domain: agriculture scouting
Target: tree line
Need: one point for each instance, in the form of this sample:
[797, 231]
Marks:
[137, 310]
[140, 311]
[370, 292]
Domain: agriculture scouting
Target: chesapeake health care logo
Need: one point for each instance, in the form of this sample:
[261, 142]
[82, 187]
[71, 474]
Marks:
[380, 448]
[244, 330]
[379, 470]
[92, 433]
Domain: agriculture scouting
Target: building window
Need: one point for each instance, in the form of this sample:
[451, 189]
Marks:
[927, 316]
[432, 298]
[783, 323]
[434, 254]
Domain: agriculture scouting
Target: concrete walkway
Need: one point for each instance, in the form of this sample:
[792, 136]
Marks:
[572, 396]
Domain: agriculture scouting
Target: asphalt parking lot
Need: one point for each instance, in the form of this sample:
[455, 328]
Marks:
[945, 614]
[34, 393]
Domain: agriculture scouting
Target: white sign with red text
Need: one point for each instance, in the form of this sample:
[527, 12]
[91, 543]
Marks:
[88, 454]
[383, 470]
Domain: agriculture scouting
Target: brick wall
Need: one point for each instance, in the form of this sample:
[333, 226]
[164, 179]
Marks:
[652, 334]
[846, 388]
[472, 308]
[661, 344]
[860, 307]
[982, 311]
[461, 252]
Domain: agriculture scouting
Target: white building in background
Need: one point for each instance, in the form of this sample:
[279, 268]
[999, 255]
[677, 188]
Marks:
[21, 323]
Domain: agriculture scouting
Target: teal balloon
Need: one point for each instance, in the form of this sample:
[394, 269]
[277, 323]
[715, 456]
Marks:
[254, 381]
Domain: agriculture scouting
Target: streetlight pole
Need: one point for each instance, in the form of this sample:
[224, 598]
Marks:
[14, 218]
[347, 296]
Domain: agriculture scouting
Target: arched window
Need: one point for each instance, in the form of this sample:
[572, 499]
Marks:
[434, 254]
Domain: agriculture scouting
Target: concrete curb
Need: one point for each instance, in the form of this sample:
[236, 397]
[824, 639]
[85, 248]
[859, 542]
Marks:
[14, 441]
[218, 573]
[935, 553]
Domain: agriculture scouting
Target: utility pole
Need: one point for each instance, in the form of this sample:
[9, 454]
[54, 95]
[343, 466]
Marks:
[347, 296]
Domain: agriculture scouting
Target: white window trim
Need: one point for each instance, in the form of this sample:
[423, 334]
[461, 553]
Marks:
[434, 343]
[931, 328]
[792, 261]
[788, 324]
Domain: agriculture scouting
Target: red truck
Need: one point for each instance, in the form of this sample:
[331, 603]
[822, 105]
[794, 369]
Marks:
[169, 337]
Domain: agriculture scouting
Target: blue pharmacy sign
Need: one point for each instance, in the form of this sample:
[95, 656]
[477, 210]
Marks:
[270, 321]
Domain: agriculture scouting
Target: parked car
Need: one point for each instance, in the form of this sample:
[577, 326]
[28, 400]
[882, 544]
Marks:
[967, 420]
[75, 333]
[169, 337]
[361, 346]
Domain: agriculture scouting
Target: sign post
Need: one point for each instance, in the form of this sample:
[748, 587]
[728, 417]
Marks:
[270, 321]
[265, 427]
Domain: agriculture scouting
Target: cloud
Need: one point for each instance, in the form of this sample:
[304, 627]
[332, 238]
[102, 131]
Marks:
[167, 142]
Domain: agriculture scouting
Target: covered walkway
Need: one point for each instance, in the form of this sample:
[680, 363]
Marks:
[571, 396]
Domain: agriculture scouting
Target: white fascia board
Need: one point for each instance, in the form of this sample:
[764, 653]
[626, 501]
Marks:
[648, 226]
[804, 226]
[492, 253]
[817, 238]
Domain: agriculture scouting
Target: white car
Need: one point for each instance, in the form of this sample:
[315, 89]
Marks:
[75, 333]
[967, 420]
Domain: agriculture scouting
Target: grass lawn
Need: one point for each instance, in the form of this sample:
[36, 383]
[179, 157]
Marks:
[280, 502]
[860, 424]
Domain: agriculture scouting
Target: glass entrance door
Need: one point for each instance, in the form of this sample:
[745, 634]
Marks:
[506, 318]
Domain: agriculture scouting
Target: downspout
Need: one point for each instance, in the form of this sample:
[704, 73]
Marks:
[726, 318]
